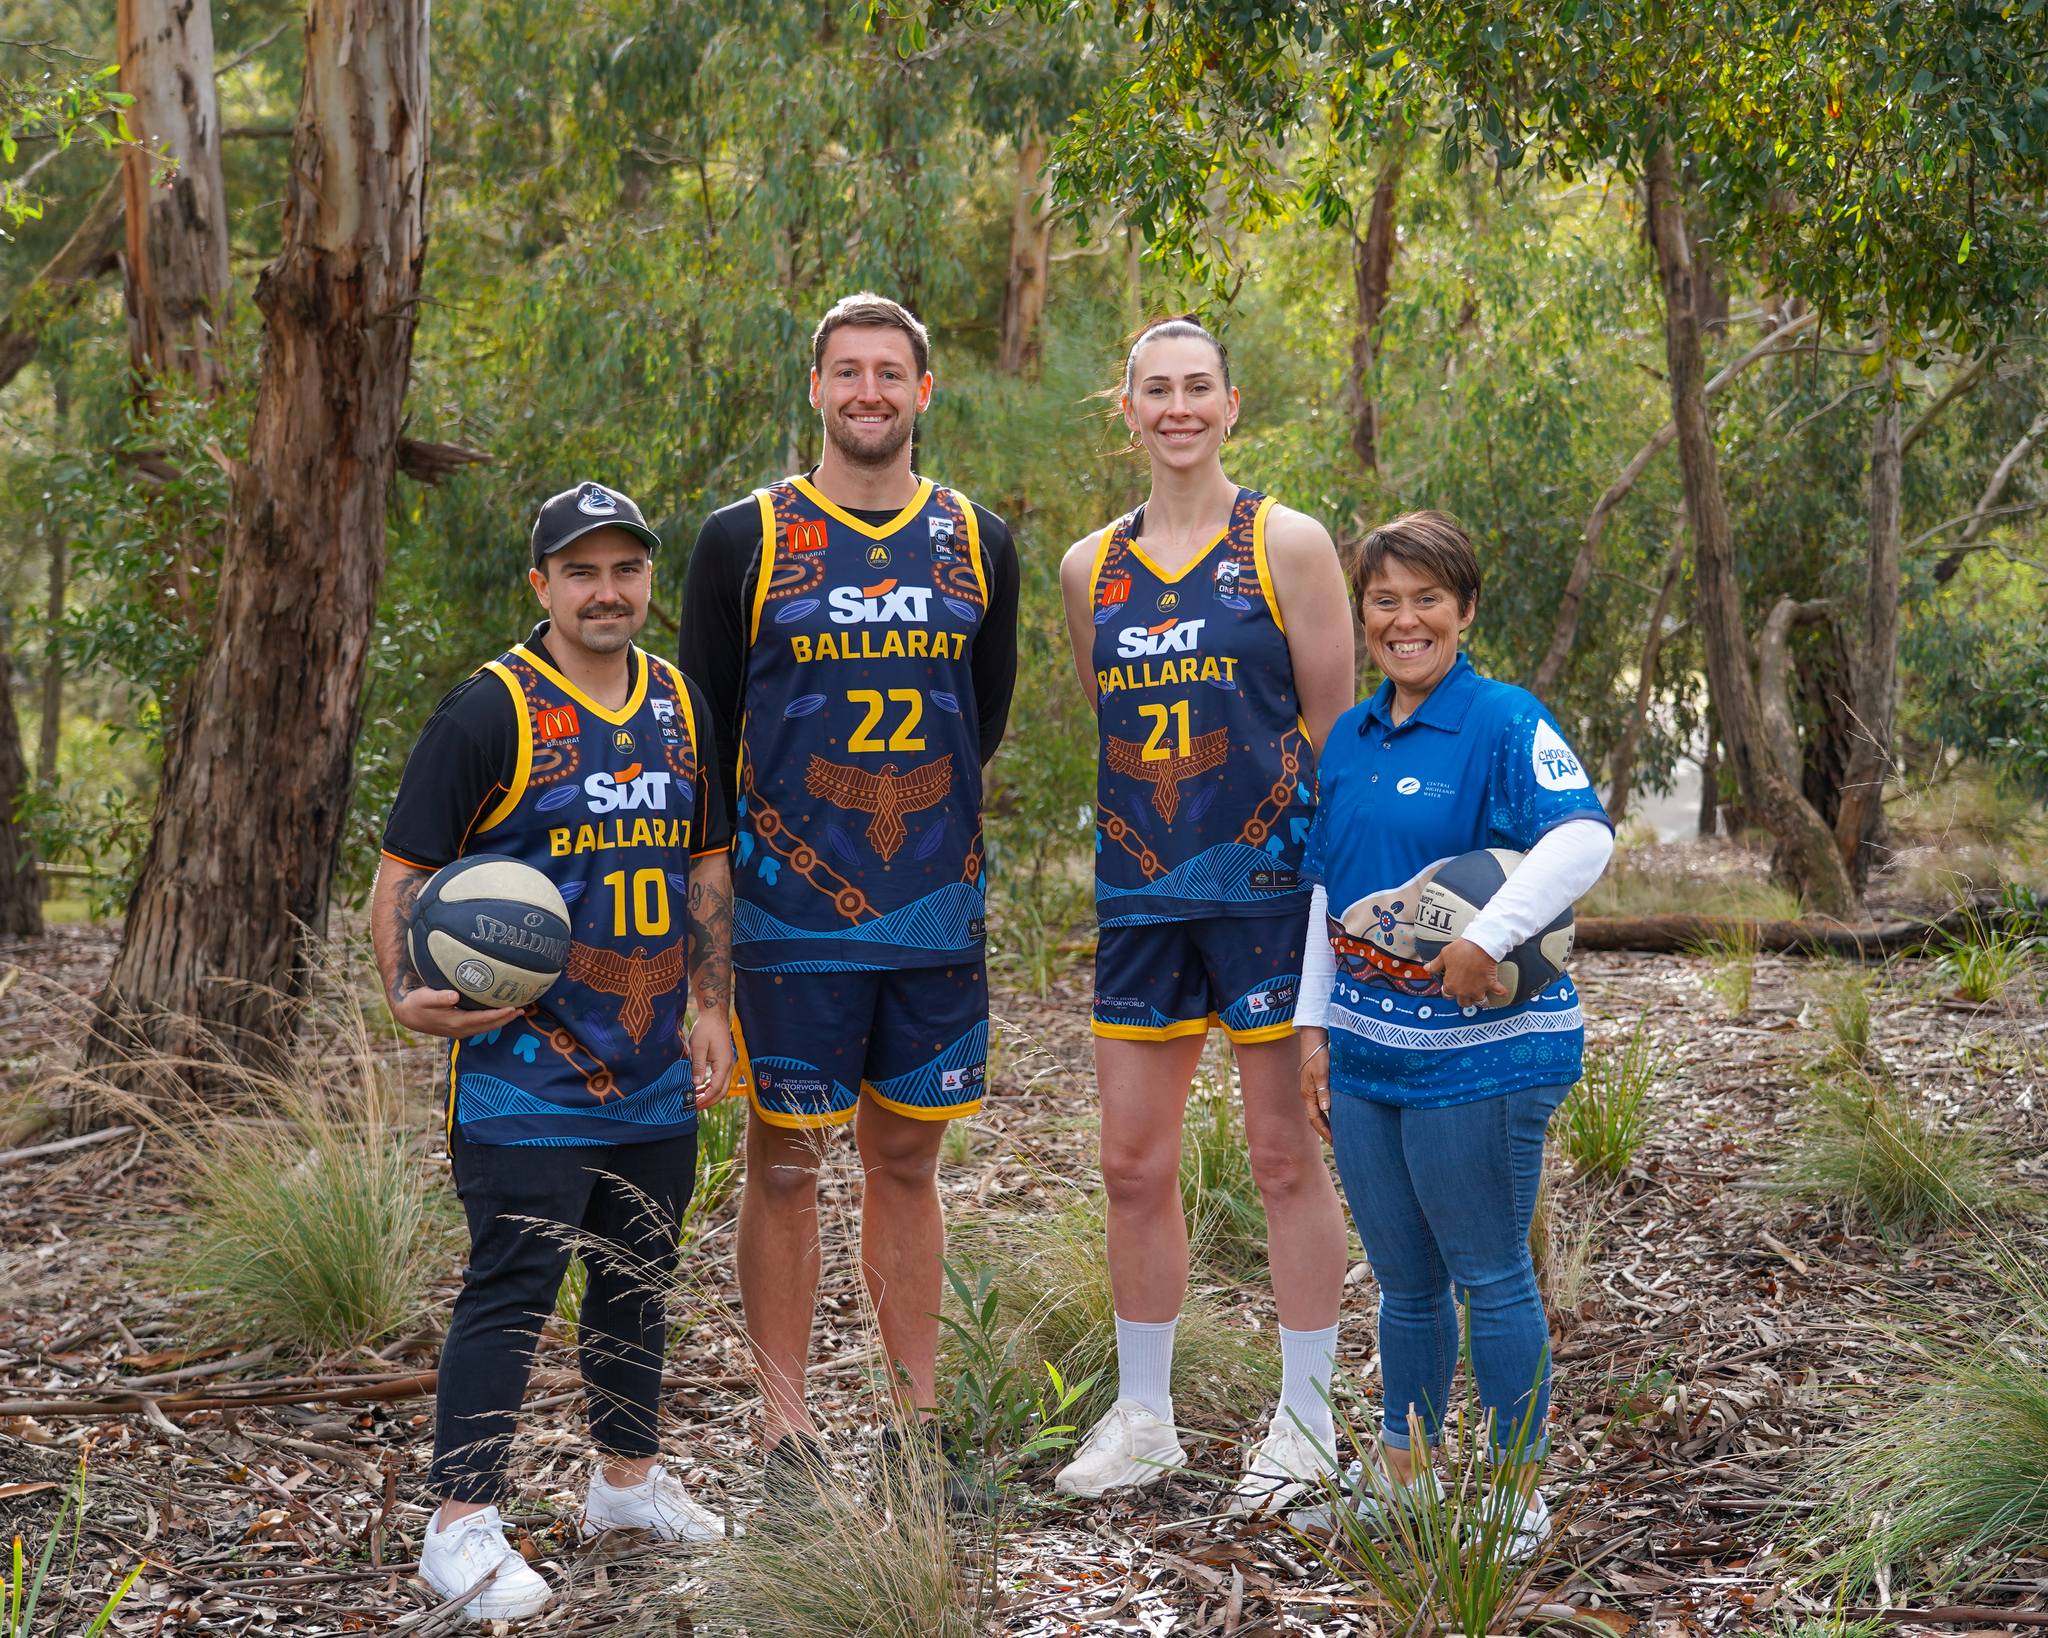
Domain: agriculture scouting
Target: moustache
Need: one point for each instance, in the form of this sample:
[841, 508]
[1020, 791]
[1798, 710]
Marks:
[607, 612]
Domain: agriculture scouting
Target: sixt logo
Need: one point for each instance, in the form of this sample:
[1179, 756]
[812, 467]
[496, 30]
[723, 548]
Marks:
[804, 535]
[880, 604]
[628, 788]
[1168, 637]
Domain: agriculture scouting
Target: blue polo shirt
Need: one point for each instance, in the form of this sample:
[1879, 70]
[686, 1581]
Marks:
[1478, 764]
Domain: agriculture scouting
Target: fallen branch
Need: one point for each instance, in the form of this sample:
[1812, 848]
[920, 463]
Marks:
[38, 1150]
[1677, 934]
[1955, 1615]
[429, 463]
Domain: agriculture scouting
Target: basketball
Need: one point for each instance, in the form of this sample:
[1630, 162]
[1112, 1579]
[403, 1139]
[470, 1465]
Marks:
[490, 928]
[1457, 891]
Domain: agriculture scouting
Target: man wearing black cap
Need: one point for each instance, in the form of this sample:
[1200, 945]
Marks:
[572, 1122]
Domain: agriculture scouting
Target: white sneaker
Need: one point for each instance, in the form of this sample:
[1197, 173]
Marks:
[1129, 1448]
[658, 1504]
[1281, 1467]
[1529, 1526]
[472, 1556]
[1373, 1496]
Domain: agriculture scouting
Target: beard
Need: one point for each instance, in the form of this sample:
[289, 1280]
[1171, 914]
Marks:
[872, 448]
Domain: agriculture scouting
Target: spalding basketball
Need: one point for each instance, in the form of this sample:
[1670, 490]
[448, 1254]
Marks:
[490, 928]
[1457, 891]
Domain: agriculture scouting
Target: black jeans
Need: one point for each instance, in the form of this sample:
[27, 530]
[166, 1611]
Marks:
[529, 1208]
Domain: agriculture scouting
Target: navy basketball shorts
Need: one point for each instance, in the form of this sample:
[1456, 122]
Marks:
[914, 1039]
[1165, 979]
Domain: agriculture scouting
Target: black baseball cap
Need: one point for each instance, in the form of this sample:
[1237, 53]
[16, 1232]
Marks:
[575, 512]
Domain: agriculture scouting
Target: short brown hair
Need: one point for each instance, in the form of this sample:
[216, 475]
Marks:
[1432, 543]
[871, 311]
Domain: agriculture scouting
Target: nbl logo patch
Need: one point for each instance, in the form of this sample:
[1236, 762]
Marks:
[941, 530]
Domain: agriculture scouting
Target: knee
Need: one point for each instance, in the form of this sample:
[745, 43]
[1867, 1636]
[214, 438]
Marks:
[1138, 1174]
[1500, 1293]
[907, 1169]
[783, 1176]
[1284, 1171]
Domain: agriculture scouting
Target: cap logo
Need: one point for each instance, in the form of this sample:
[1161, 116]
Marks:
[596, 500]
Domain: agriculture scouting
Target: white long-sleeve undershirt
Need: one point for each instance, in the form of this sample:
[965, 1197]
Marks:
[1553, 875]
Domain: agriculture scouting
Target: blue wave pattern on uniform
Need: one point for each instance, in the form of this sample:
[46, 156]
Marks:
[859, 841]
[950, 1079]
[1478, 764]
[608, 815]
[1205, 780]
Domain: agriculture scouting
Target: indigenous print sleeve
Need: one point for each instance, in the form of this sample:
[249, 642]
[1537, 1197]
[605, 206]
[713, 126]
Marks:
[1537, 781]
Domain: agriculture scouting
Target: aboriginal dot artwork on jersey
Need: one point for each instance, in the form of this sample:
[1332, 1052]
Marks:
[859, 838]
[1205, 780]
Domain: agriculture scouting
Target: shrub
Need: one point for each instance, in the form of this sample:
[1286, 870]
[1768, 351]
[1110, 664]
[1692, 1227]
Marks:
[1950, 1482]
[1608, 1114]
[1731, 963]
[1056, 1296]
[1985, 959]
[1868, 1146]
[1844, 993]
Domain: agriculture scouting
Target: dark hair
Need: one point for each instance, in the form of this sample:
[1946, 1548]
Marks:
[871, 311]
[1185, 326]
[1432, 543]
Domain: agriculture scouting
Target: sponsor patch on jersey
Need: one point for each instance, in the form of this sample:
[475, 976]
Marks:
[941, 530]
[804, 535]
[1169, 600]
[878, 556]
[632, 787]
[1169, 637]
[556, 722]
[1557, 769]
[880, 604]
[622, 741]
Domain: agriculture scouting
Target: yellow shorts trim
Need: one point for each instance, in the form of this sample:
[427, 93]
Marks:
[1177, 1030]
[1265, 1032]
[801, 1123]
[952, 1111]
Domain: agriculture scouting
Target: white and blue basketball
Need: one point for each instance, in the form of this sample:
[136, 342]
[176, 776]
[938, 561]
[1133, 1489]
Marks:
[490, 928]
[1457, 891]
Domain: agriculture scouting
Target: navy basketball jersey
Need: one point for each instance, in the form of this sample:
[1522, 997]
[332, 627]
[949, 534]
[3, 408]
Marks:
[859, 835]
[1205, 779]
[603, 803]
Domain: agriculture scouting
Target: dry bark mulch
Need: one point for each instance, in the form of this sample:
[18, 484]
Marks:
[1712, 1336]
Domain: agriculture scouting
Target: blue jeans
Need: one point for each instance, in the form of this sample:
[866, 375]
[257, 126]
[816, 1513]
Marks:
[1442, 1198]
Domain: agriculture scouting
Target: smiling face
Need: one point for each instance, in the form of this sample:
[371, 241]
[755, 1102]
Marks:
[595, 590]
[1412, 624]
[1177, 406]
[868, 392]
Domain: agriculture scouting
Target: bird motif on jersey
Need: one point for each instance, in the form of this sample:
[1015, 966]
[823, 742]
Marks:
[885, 793]
[1164, 774]
[636, 979]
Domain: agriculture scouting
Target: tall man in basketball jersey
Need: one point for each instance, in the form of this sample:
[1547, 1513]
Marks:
[572, 1123]
[855, 630]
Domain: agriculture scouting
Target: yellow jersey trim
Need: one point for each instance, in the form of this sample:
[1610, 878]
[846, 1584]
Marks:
[1101, 557]
[522, 769]
[766, 502]
[1175, 579]
[974, 544]
[619, 718]
[874, 531]
[454, 1047]
[1264, 564]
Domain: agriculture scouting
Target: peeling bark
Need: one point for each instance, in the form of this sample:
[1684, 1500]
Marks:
[1372, 266]
[177, 234]
[1806, 848]
[1030, 251]
[1877, 665]
[1773, 668]
[1622, 764]
[21, 890]
[241, 857]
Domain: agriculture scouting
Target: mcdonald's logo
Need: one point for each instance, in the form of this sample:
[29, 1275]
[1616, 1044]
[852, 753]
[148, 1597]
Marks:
[557, 722]
[804, 535]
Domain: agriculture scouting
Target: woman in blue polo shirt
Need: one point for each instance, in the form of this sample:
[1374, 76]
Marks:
[1444, 1095]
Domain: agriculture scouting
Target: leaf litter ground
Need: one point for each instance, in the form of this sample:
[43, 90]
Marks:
[1714, 1337]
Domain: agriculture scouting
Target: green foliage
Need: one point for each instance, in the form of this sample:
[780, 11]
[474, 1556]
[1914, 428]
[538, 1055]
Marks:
[1948, 1482]
[1226, 1216]
[1000, 1410]
[1845, 994]
[21, 1592]
[1870, 1148]
[61, 99]
[1609, 1113]
[1730, 954]
[1986, 958]
[721, 1151]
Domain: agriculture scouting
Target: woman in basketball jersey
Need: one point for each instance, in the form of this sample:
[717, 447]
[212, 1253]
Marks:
[1211, 632]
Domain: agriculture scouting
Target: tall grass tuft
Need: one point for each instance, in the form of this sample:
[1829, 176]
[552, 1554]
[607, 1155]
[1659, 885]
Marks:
[1604, 1120]
[1986, 959]
[1226, 1216]
[1056, 1295]
[23, 1589]
[1867, 1146]
[1731, 963]
[1845, 1002]
[1953, 1481]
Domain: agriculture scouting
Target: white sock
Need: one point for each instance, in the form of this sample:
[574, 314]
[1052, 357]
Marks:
[1144, 1364]
[1306, 1361]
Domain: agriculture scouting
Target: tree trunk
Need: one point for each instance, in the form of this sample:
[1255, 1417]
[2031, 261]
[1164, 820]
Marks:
[21, 891]
[1372, 266]
[1877, 667]
[1622, 764]
[90, 251]
[58, 574]
[1773, 669]
[1030, 247]
[177, 235]
[241, 857]
[1710, 781]
[1806, 849]
[1134, 279]
[1983, 514]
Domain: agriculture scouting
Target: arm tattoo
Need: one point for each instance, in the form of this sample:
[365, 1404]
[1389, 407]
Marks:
[407, 891]
[710, 919]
